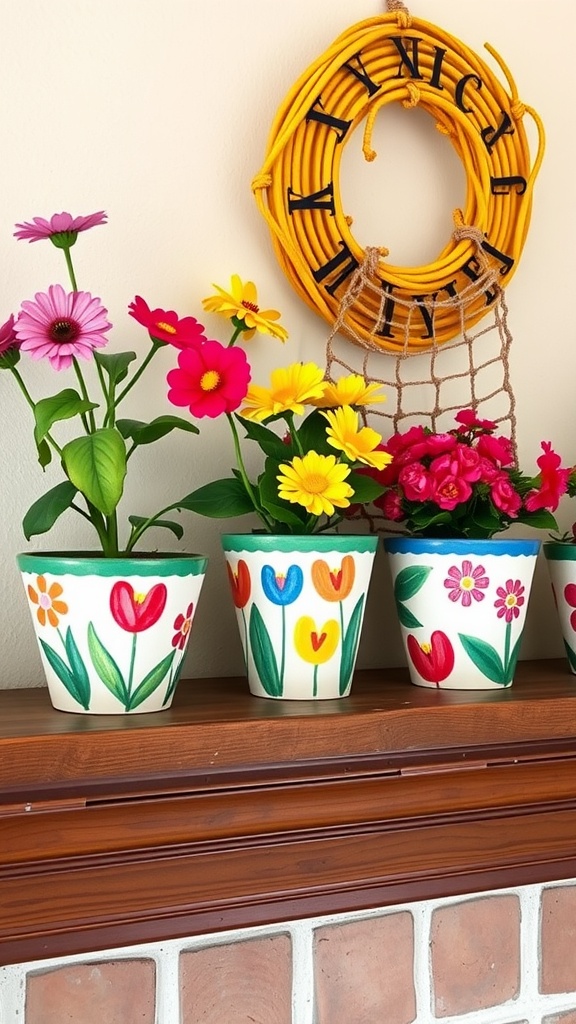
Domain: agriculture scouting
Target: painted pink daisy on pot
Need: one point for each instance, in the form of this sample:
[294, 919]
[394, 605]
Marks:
[210, 380]
[59, 224]
[467, 583]
[165, 326]
[510, 600]
[61, 326]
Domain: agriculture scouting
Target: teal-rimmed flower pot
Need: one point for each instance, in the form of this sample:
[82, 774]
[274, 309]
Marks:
[561, 565]
[112, 632]
[300, 603]
[462, 607]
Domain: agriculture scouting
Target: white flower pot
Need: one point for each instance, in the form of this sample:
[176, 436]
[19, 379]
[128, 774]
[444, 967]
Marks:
[561, 564]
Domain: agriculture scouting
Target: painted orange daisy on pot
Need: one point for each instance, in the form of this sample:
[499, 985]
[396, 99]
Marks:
[47, 598]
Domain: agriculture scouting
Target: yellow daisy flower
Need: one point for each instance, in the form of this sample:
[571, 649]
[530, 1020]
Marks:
[241, 303]
[292, 387]
[350, 390]
[315, 481]
[357, 445]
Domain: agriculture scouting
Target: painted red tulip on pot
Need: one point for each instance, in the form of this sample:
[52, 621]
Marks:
[136, 612]
[434, 660]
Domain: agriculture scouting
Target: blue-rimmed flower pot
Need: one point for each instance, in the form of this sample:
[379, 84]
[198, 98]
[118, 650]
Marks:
[462, 606]
[561, 564]
[112, 632]
[300, 603]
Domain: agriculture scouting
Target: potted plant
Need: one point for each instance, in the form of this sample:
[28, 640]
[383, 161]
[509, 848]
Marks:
[461, 590]
[298, 586]
[560, 554]
[112, 624]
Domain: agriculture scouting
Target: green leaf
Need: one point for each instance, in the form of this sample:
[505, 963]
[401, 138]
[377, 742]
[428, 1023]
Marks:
[263, 655]
[96, 465]
[313, 436]
[409, 581]
[166, 524]
[269, 442]
[281, 511]
[485, 657]
[512, 660]
[42, 515]
[106, 667]
[571, 655]
[350, 642]
[78, 669]
[365, 488]
[44, 454]
[115, 364]
[147, 433]
[150, 682]
[541, 519]
[218, 500]
[62, 406]
[406, 617]
[64, 674]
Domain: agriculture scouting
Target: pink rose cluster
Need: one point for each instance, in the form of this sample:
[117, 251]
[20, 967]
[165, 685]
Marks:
[465, 481]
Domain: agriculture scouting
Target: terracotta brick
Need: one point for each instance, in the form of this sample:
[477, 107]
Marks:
[103, 992]
[568, 1017]
[247, 982]
[364, 971]
[558, 939]
[475, 954]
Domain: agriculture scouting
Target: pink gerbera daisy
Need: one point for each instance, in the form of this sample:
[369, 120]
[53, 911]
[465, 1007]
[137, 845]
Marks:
[166, 326]
[62, 224]
[61, 326]
[8, 338]
[210, 379]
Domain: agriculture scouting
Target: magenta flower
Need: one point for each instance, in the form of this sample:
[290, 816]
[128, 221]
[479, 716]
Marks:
[210, 379]
[59, 224]
[415, 482]
[510, 600]
[166, 326]
[505, 496]
[8, 337]
[61, 326]
[466, 583]
[553, 481]
[449, 491]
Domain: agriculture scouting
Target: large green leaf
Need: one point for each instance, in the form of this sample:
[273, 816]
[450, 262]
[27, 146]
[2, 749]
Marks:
[281, 511]
[65, 675]
[166, 524]
[78, 669]
[269, 442]
[106, 667]
[62, 406]
[409, 581]
[218, 500]
[263, 655]
[312, 434]
[42, 515]
[541, 519]
[485, 657]
[96, 465]
[147, 433]
[350, 642]
[151, 682]
[365, 488]
[115, 364]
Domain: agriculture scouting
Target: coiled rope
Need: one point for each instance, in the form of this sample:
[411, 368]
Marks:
[396, 58]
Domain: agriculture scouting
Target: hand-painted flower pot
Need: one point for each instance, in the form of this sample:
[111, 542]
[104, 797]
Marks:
[112, 632]
[300, 604]
[462, 607]
[561, 563]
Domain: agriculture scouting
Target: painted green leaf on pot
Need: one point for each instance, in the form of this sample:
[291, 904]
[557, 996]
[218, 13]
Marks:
[410, 580]
[62, 406]
[406, 617]
[42, 515]
[151, 682]
[106, 667]
[485, 657]
[173, 683]
[263, 655]
[78, 669]
[571, 655]
[115, 364]
[512, 660]
[166, 524]
[350, 642]
[59, 666]
[96, 465]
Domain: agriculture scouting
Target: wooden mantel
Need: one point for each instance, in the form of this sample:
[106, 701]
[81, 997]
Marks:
[229, 810]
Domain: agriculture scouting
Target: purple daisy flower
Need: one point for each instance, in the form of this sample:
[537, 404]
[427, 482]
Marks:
[39, 228]
[7, 336]
[61, 326]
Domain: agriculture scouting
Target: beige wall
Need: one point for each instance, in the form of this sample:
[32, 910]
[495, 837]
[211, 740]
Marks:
[159, 113]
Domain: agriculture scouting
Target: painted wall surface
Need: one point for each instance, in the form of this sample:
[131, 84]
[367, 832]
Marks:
[159, 114]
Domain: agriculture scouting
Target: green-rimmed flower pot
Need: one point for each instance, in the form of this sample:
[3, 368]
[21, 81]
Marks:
[561, 564]
[300, 603]
[112, 632]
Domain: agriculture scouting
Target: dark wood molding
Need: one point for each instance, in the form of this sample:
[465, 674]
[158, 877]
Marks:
[229, 810]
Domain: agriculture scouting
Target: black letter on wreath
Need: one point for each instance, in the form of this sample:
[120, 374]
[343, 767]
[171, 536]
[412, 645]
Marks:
[333, 122]
[322, 200]
[427, 316]
[459, 91]
[473, 270]
[386, 331]
[412, 65]
[506, 261]
[361, 74]
[502, 186]
[435, 79]
[350, 265]
[491, 135]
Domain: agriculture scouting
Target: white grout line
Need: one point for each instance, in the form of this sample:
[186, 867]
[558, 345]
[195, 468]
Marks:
[302, 973]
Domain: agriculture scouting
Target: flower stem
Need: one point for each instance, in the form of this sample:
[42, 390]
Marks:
[244, 476]
[237, 332]
[87, 418]
[507, 638]
[68, 259]
[131, 670]
[32, 405]
[153, 350]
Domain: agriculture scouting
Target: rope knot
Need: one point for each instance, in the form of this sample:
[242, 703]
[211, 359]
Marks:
[517, 110]
[403, 17]
[414, 95]
[445, 129]
[260, 181]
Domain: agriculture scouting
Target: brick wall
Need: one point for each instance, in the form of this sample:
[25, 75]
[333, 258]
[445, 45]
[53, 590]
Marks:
[506, 957]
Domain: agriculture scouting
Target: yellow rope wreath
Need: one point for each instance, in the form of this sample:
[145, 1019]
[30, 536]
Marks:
[386, 59]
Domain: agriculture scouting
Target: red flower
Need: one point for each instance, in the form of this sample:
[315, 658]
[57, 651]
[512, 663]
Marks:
[499, 450]
[433, 661]
[505, 497]
[391, 505]
[415, 482]
[553, 481]
[240, 583]
[570, 598]
[8, 337]
[166, 326]
[137, 612]
[470, 421]
[210, 379]
[449, 491]
[182, 624]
